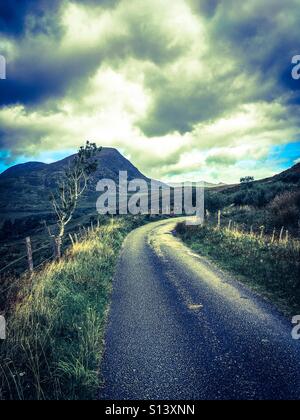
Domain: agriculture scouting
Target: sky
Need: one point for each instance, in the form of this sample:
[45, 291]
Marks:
[186, 89]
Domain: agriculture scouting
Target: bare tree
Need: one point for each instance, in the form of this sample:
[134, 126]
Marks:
[74, 183]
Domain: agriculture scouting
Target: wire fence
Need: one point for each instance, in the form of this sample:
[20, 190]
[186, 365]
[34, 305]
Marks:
[280, 235]
[13, 274]
[31, 255]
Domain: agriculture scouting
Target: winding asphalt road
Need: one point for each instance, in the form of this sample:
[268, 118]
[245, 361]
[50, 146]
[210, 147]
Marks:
[180, 328]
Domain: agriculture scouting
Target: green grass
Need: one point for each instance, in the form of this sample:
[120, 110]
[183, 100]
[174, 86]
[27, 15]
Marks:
[55, 328]
[271, 268]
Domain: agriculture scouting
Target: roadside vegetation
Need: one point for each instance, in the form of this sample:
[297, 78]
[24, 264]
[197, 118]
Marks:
[56, 320]
[273, 203]
[269, 265]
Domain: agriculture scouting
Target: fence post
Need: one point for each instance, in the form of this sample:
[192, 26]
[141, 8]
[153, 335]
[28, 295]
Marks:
[273, 236]
[207, 214]
[29, 254]
[281, 233]
[262, 231]
[229, 224]
[219, 219]
[287, 236]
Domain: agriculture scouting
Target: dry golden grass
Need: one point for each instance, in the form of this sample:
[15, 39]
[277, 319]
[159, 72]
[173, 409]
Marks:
[55, 331]
[270, 265]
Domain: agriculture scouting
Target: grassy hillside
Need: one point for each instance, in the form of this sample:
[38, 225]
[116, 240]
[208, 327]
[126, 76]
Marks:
[270, 266]
[55, 323]
[272, 203]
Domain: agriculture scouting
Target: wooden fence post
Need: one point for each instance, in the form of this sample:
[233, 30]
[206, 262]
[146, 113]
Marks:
[273, 235]
[287, 236]
[207, 214]
[229, 224]
[29, 254]
[219, 219]
[281, 233]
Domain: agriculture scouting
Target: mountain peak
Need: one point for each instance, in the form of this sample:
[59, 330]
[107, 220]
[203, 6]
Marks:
[33, 181]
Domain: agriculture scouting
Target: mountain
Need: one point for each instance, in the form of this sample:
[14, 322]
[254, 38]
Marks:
[26, 187]
[192, 184]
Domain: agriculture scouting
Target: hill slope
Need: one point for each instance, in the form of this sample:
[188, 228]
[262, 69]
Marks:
[26, 187]
[272, 202]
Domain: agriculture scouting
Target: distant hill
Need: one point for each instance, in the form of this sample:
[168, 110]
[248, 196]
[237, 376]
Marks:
[290, 178]
[26, 187]
[260, 194]
[191, 184]
[272, 202]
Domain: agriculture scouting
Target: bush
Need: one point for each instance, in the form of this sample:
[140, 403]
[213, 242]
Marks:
[215, 201]
[257, 195]
[285, 209]
[253, 196]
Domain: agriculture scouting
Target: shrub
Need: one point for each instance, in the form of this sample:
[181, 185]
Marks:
[215, 201]
[285, 209]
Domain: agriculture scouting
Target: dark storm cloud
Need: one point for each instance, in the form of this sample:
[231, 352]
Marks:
[45, 73]
[16, 137]
[38, 69]
[41, 70]
[205, 8]
[261, 36]
[258, 38]
[37, 16]
[169, 77]
[18, 16]
[178, 110]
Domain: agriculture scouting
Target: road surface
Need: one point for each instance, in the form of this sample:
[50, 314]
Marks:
[180, 328]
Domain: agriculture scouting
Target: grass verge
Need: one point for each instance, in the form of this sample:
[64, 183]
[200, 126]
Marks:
[55, 328]
[270, 268]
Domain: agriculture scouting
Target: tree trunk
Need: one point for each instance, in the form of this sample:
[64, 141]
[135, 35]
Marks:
[57, 248]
